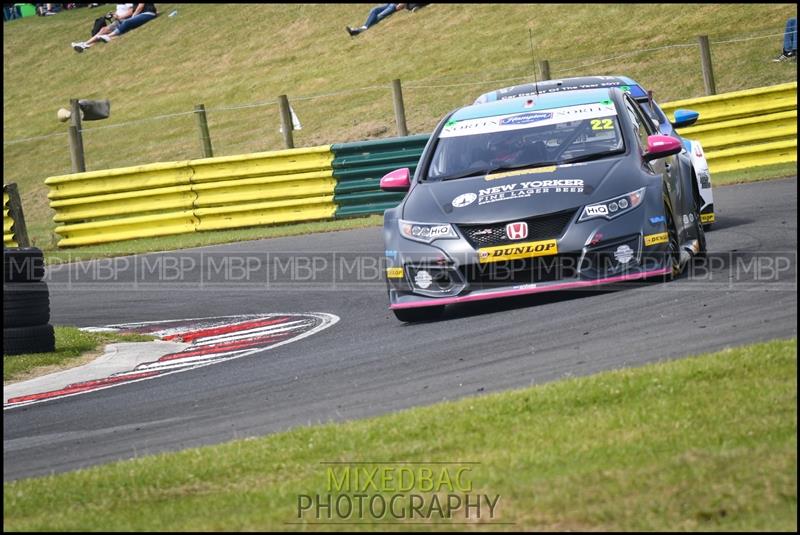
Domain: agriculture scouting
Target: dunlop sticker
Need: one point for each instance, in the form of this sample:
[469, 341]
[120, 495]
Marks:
[653, 239]
[394, 273]
[517, 250]
[706, 218]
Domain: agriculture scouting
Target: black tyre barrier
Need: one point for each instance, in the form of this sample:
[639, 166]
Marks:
[25, 304]
[26, 317]
[22, 294]
[24, 264]
[36, 339]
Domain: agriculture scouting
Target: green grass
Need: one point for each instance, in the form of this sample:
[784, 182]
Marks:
[445, 54]
[73, 347]
[705, 443]
[754, 174]
[200, 239]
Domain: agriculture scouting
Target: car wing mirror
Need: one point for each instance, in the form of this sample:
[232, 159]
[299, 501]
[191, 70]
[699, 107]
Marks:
[684, 118]
[661, 146]
[397, 180]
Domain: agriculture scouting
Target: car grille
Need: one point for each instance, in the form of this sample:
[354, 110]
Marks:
[539, 228]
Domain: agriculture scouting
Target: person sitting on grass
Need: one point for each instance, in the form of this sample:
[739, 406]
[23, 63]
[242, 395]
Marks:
[142, 14]
[123, 11]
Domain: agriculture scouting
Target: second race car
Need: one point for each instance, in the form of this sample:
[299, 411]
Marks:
[693, 150]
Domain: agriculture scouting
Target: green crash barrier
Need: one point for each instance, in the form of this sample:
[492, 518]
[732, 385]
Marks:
[359, 166]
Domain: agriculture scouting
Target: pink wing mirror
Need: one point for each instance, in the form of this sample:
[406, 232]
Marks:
[397, 180]
[661, 147]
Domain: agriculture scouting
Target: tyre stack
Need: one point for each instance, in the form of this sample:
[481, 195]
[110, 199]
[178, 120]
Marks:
[26, 303]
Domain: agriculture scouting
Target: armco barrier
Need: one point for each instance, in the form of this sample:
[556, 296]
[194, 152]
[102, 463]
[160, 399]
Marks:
[746, 128]
[358, 168]
[738, 130]
[8, 224]
[15, 234]
[192, 195]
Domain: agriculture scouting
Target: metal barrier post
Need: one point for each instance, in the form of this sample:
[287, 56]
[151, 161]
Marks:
[202, 125]
[705, 61]
[399, 108]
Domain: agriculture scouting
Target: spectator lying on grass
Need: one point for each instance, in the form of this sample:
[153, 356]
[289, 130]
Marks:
[376, 14]
[142, 14]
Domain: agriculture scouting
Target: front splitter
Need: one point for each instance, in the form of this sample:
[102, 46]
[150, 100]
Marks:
[527, 289]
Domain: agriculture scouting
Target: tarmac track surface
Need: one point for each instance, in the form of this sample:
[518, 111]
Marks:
[369, 363]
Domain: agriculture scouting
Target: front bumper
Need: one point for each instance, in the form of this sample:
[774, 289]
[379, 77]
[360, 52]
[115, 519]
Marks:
[590, 253]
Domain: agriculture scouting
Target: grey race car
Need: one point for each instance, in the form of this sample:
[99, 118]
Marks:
[538, 193]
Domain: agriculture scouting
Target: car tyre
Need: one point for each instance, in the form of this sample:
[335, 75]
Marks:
[701, 236]
[36, 339]
[673, 250]
[415, 315]
[24, 264]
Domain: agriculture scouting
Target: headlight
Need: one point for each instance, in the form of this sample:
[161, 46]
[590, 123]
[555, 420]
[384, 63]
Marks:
[613, 207]
[426, 232]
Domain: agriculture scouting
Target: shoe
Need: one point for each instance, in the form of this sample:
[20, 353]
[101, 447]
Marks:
[104, 38]
[352, 32]
[79, 47]
[782, 57]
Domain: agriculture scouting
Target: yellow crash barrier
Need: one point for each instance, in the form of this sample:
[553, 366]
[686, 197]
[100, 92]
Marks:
[8, 224]
[744, 129]
[136, 179]
[739, 104]
[193, 195]
[752, 156]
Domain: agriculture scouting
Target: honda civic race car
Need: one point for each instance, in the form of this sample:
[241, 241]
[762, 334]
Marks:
[538, 193]
[683, 118]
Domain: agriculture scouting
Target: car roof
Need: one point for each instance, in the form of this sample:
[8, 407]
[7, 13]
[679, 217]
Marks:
[562, 85]
[532, 103]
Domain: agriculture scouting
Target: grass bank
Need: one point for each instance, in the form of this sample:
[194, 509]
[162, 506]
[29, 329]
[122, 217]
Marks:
[703, 443]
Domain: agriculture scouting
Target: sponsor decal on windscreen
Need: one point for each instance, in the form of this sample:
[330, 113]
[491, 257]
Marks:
[527, 119]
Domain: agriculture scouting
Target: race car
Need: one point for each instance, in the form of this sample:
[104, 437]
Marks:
[683, 118]
[534, 194]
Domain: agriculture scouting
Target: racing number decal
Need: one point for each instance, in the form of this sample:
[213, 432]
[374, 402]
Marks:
[602, 124]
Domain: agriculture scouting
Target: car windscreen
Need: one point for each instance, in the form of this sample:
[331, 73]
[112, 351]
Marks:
[472, 147]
